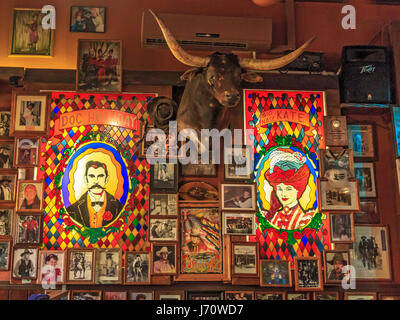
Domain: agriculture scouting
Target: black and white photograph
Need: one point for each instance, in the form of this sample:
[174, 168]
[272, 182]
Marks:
[365, 175]
[238, 163]
[308, 274]
[25, 263]
[80, 266]
[335, 197]
[5, 250]
[140, 295]
[86, 295]
[109, 266]
[337, 164]
[26, 152]
[88, 19]
[28, 228]
[164, 177]
[199, 170]
[238, 197]
[369, 213]
[137, 267]
[262, 295]
[204, 295]
[369, 254]
[5, 123]
[239, 223]
[342, 227]
[6, 220]
[334, 262]
[6, 155]
[7, 187]
[163, 229]
[245, 259]
[163, 204]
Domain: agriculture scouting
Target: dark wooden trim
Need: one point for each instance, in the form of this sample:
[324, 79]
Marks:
[7, 72]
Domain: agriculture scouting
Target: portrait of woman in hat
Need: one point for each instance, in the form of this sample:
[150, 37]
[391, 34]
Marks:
[164, 260]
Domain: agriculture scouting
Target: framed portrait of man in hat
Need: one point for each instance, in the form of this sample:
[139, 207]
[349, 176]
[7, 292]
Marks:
[334, 262]
[109, 266]
[25, 262]
[164, 258]
[28, 228]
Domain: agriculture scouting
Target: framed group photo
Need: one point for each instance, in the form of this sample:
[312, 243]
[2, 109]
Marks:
[245, 259]
[163, 204]
[163, 229]
[334, 197]
[88, 19]
[239, 223]
[308, 274]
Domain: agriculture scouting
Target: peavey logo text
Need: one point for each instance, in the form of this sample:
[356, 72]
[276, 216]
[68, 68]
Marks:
[367, 69]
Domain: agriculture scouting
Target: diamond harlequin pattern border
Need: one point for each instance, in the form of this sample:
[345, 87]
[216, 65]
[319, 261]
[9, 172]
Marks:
[133, 236]
[272, 247]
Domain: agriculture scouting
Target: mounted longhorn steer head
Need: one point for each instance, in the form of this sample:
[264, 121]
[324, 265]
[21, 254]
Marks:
[213, 86]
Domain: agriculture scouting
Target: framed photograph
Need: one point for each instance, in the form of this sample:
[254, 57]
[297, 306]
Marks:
[334, 261]
[88, 19]
[170, 295]
[5, 119]
[28, 228]
[137, 267]
[80, 266]
[99, 66]
[336, 164]
[199, 170]
[6, 154]
[239, 295]
[30, 195]
[238, 163]
[308, 274]
[141, 295]
[275, 273]
[26, 152]
[334, 197]
[369, 213]
[6, 223]
[30, 113]
[298, 296]
[113, 295]
[335, 128]
[361, 140]
[29, 38]
[25, 262]
[201, 241]
[360, 296]
[164, 177]
[163, 204]
[7, 187]
[342, 227]
[204, 295]
[5, 253]
[109, 266]
[396, 128]
[198, 191]
[388, 297]
[163, 229]
[238, 197]
[86, 295]
[239, 223]
[269, 295]
[245, 259]
[365, 175]
[51, 267]
[369, 254]
[164, 258]
[326, 296]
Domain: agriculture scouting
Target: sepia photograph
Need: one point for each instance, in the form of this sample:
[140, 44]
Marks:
[163, 229]
[6, 155]
[28, 228]
[365, 175]
[334, 262]
[163, 204]
[25, 262]
[308, 274]
[26, 152]
[164, 177]
[239, 223]
[342, 227]
[5, 253]
[330, 296]
[80, 266]
[137, 267]
[275, 273]
[51, 267]
[88, 19]
[238, 163]
[109, 266]
[263, 295]
[164, 258]
[338, 198]
[238, 197]
[6, 221]
[245, 259]
[359, 296]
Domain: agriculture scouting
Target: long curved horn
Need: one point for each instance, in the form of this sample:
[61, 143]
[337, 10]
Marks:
[180, 54]
[272, 64]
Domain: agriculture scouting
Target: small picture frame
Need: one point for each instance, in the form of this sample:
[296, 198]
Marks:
[238, 163]
[163, 229]
[338, 197]
[99, 66]
[199, 170]
[269, 295]
[137, 267]
[335, 128]
[342, 227]
[80, 266]
[141, 295]
[326, 295]
[334, 262]
[163, 204]
[28, 228]
[30, 114]
[6, 154]
[25, 262]
[240, 224]
[308, 274]
[360, 296]
[238, 197]
[26, 153]
[298, 296]
[365, 175]
[204, 295]
[109, 266]
[239, 295]
[170, 295]
[114, 295]
[164, 177]
[87, 19]
[245, 259]
[6, 223]
[8, 183]
[164, 260]
[337, 164]
[89, 295]
[5, 120]
[361, 140]
[5, 254]
[389, 296]
[198, 191]
[30, 195]
[369, 212]
[51, 267]
[275, 273]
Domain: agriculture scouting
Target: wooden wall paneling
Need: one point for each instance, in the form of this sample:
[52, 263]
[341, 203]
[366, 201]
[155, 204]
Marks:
[18, 294]
[3, 294]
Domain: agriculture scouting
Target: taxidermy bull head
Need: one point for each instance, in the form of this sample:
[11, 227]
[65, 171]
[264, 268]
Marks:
[213, 86]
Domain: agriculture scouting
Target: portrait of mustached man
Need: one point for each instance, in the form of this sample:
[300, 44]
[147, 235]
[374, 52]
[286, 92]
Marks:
[96, 207]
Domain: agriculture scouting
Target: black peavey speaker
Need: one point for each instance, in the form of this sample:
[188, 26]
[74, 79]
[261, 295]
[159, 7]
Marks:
[365, 76]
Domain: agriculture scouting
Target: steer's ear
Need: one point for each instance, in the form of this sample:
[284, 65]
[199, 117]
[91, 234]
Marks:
[251, 77]
[189, 74]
